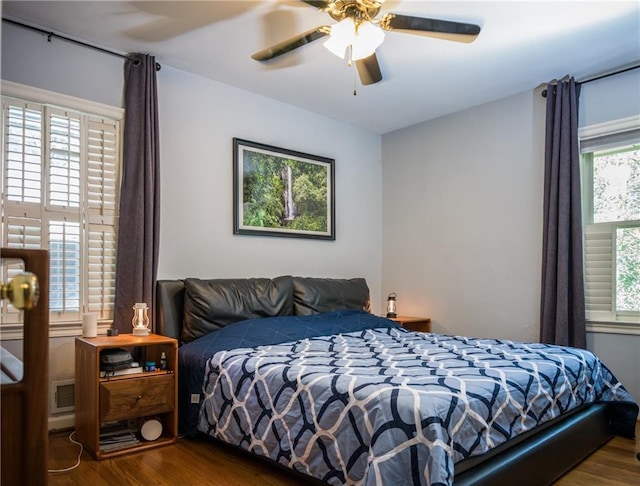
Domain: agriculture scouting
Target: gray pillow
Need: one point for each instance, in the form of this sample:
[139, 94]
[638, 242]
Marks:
[213, 304]
[316, 295]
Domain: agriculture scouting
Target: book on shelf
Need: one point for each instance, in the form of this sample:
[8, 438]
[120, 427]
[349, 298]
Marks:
[117, 436]
[118, 439]
[123, 371]
[115, 445]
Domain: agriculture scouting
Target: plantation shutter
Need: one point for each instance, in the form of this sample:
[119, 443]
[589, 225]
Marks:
[63, 213]
[60, 192]
[64, 159]
[101, 270]
[22, 232]
[102, 178]
[23, 151]
[600, 238]
[22, 185]
[64, 268]
[599, 270]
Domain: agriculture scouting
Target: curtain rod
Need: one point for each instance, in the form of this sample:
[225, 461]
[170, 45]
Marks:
[601, 76]
[69, 39]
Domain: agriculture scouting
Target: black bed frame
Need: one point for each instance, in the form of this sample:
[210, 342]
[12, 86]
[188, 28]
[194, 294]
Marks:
[536, 458]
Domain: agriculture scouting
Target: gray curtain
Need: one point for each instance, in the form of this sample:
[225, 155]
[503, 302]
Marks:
[138, 230]
[562, 316]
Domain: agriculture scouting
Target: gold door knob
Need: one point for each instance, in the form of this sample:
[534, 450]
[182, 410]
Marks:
[23, 291]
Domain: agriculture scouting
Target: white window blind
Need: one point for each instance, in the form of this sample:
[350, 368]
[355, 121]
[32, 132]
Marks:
[23, 232]
[64, 268]
[599, 273]
[23, 152]
[609, 140]
[64, 159]
[61, 172]
[101, 266]
[611, 216]
[101, 196]
[102, 165]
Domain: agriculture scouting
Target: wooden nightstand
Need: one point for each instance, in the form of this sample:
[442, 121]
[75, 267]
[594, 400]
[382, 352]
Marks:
[101, 402]
[421, 324]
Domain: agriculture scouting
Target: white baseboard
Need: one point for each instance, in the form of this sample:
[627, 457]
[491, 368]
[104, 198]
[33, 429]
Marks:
[61, 422]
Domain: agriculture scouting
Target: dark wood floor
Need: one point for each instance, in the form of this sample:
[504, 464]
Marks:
[197, 462]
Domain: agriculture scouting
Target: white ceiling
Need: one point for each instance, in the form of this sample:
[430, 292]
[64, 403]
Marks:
[521, 45]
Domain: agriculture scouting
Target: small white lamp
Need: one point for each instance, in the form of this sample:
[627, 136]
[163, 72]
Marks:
[391, 305]
[140, 320]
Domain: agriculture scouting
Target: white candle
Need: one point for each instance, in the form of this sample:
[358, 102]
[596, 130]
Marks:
[89, 325]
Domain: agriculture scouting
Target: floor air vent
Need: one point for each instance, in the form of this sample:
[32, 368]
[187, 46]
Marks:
[62, 396]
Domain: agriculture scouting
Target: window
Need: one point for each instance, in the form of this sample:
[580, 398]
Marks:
[60, 168]
[611, 207]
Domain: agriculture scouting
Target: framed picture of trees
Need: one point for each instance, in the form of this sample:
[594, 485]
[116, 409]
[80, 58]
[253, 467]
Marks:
[281, 192]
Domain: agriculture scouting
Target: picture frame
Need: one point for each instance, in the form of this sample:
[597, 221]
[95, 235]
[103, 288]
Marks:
[282, 192]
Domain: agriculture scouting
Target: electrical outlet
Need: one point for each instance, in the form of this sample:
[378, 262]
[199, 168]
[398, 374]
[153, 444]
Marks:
[195, 398]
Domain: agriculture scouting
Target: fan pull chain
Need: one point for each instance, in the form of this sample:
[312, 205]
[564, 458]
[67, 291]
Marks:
[355, 82]
[351, 65]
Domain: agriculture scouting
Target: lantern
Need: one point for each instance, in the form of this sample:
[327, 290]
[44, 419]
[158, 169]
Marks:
[391, 305]
[140, 320]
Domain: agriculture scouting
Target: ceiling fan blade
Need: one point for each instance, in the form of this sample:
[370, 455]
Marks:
[316, 3]
[441, 29]
[291, 44]
[369, 70]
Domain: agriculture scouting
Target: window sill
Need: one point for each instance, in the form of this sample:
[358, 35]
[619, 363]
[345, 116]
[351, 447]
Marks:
[56, 330]
[615, 327]
[74, 329]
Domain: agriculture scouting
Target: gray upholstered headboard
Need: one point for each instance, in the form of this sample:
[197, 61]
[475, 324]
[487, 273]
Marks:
[189, 308]
[169, 307]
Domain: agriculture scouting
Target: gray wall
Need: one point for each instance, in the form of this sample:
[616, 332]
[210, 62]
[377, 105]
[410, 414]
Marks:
[198, 119]
[602, 101]
[451, 220]
[462, 218]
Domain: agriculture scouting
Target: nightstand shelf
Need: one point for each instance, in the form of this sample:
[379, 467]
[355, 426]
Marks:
[421, 324]
[121, 402]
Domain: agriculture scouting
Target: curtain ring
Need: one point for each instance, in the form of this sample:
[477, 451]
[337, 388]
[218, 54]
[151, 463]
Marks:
[136, 62]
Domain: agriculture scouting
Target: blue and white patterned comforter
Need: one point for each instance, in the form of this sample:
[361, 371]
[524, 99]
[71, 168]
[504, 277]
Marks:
[384, 405]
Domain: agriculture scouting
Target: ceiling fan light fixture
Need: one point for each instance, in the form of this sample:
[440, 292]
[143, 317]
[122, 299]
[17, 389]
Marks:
[336, 47]
[364, 38]
[368, 38]
[342, 36]
[358, 32]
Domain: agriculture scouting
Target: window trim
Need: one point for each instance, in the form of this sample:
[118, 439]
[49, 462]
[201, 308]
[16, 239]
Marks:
[38, 95]
[625, 323]
[64, 102]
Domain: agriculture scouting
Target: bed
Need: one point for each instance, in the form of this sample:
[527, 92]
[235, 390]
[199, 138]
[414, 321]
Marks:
[298, 371]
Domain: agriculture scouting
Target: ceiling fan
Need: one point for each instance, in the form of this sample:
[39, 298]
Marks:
[358, 33]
